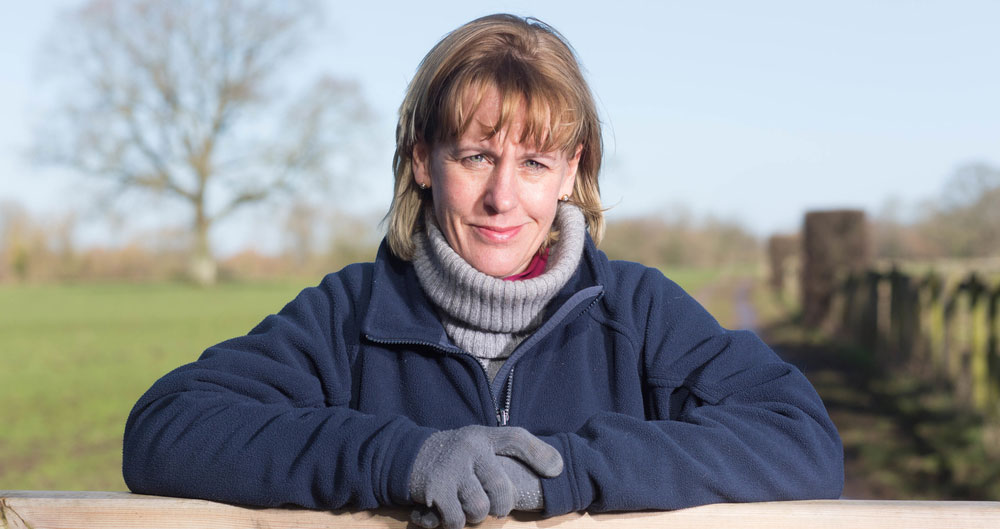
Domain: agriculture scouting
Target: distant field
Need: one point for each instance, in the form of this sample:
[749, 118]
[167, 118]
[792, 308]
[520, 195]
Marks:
[75, 358]
[694, 279]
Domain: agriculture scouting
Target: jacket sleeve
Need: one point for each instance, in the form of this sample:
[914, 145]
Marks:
[264, 419]
[726, 421]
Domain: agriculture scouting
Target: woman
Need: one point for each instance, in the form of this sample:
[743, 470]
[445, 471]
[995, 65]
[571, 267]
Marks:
[491, 358]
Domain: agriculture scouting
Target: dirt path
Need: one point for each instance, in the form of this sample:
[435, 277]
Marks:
[746, 313]
[731, 302]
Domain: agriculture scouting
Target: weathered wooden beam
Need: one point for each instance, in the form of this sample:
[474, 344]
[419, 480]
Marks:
[107, 510]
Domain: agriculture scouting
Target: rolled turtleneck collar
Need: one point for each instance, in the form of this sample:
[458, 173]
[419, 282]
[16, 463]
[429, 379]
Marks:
[535, 267]
[484, 315]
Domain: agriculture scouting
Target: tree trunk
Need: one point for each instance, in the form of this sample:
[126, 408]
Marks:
[202, 267]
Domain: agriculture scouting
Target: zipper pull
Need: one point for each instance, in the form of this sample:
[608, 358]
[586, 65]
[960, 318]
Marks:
[503, 414]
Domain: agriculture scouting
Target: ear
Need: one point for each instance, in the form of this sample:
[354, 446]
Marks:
[421, 164]
[566, 186]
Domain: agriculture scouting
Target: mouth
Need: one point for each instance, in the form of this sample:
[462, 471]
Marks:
[497, 233]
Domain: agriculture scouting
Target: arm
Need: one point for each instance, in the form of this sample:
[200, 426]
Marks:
[264, 420]
[726, 421]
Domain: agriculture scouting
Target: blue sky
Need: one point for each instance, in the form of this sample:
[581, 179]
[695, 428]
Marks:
[753, 111]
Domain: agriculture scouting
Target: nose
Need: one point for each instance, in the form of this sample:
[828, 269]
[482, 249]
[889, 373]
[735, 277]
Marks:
[501, 189]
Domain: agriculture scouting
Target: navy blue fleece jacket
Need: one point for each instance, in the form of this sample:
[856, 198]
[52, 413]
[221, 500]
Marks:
[651, 403]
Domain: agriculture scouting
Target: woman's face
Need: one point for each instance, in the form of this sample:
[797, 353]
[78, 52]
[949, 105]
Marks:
[494, 199]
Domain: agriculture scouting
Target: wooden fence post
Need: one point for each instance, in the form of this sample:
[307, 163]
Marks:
[850, 321]
[979, 378]
[833, 242]
[949, 358]
[932, 309]
[904, 320]
[992, 352]
[869, 331]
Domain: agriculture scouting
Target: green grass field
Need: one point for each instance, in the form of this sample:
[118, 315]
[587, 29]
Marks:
[75, 358]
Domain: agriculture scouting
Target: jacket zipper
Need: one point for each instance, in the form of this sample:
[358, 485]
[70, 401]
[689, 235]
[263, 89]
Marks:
[502, 416]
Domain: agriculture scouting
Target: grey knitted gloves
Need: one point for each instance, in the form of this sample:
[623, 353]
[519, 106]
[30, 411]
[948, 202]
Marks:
[464, 474]
[527, 485]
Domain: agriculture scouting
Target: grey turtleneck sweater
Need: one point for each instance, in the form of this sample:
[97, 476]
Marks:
[486, 316]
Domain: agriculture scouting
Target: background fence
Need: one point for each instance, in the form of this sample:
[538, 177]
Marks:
[942, 323]
[946, 327]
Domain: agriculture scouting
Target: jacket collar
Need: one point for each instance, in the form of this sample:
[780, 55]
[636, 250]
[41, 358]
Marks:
[400, 312]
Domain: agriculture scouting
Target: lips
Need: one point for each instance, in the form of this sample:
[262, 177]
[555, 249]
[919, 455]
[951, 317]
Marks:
[498, 233]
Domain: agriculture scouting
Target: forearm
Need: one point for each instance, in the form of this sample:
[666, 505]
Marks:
[746, 448]
[219, 446]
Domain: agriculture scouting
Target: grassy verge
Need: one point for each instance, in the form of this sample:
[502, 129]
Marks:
[727, 293]
[695, 279]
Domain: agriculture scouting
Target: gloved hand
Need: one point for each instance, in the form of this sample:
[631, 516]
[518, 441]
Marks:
[527, 485]
[527, 493]
[461, 475]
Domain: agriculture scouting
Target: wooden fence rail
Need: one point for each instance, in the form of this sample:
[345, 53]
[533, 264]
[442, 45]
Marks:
[951, 328]
[104, 510]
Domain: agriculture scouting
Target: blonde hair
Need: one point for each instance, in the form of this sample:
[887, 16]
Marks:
[533, 70]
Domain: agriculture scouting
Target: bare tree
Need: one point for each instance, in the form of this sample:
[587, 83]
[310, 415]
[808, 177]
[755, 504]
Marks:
[300, 231]
[964, 221]
[181, 99]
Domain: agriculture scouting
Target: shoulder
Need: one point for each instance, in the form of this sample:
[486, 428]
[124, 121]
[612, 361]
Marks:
[338, 298]
[632, 277]
[349, 281]
[634, 286]
[643, 299]
[628, 274]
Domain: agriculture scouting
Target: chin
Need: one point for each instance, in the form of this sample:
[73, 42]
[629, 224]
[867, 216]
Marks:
[495, 267]
[495, 271]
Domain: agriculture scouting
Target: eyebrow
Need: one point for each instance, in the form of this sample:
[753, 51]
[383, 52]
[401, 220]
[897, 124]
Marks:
[462, 144]
[542, 154]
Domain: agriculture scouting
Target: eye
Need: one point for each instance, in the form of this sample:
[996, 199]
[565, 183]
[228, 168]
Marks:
[475, 160]
[535, 165]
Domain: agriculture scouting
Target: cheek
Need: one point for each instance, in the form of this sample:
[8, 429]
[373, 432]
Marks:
[450, 202]
[441, 207]
[455, 194]
[545, 200]
[542, 207]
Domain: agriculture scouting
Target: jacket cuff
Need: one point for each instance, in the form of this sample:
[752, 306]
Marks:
[566, 492]
[397, 484]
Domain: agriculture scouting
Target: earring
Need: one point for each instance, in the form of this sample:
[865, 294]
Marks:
[564, 198]
[422, 185]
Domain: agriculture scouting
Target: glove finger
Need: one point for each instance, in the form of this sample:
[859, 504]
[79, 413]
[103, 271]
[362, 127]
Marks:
[425, 517]
[515, 442]
[450, 512]
[496, 484]
[475, 502]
